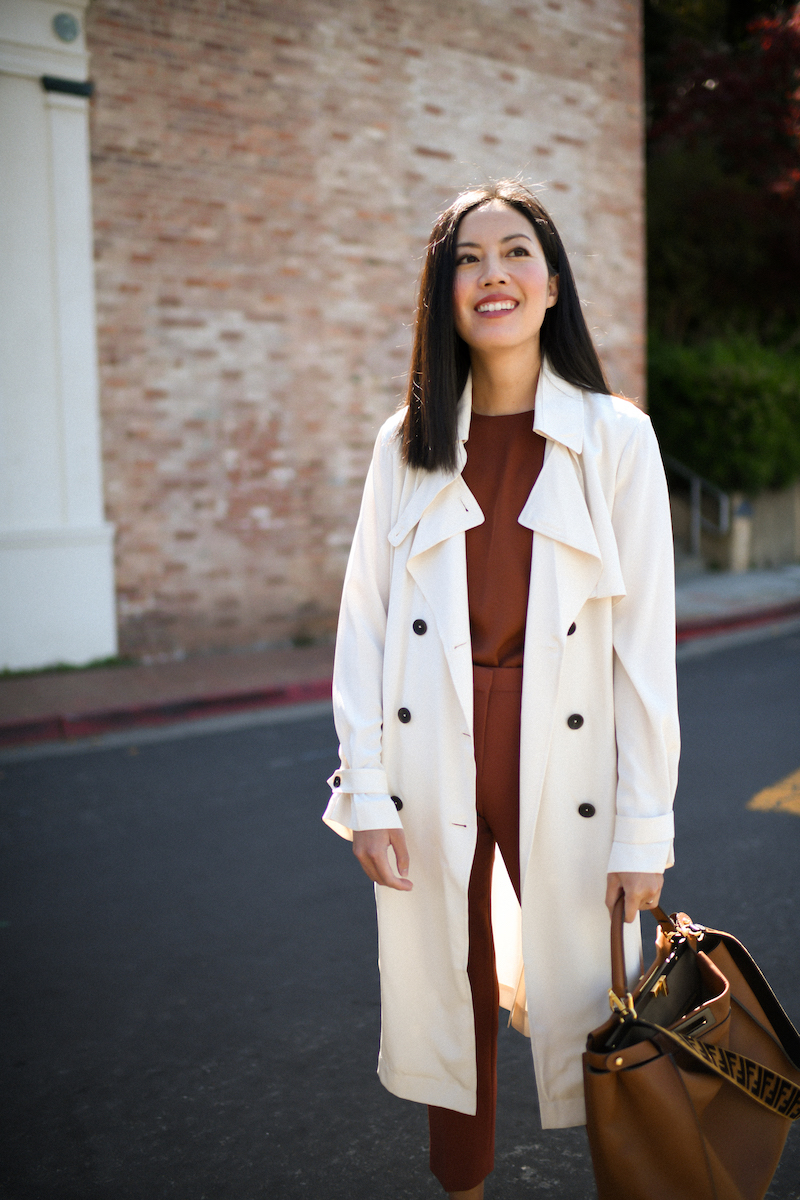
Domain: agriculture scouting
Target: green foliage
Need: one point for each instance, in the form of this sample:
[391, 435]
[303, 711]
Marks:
[115, 660]
[728, 409]
[723, 169]
[722, 255]
[723, 186]
[713, 253]
[723, 215]
[666, 20]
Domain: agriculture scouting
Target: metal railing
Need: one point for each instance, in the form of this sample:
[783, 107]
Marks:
[698, 521]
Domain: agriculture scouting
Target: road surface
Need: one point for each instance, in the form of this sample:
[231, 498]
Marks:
[189, 975]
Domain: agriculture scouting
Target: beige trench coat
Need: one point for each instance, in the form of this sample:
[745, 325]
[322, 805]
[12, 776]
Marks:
[601, 558]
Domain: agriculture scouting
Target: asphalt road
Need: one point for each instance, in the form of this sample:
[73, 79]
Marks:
[188, 972]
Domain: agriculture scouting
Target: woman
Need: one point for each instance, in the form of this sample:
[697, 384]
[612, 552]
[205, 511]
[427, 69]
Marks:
[515, 513]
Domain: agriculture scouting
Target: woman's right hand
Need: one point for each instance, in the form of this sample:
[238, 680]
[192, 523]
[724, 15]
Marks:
[371, 848]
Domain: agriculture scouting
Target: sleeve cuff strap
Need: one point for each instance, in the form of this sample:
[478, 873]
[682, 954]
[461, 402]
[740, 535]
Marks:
[352, 780]
[651, 858]
[348, 813]
[639, 831]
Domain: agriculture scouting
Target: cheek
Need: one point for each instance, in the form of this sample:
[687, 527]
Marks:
[460, 305]
[538, 281]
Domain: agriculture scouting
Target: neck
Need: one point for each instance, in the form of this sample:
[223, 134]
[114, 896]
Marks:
[504, 383]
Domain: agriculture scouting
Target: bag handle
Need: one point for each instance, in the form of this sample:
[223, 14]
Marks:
[769, 1089]
[784, 1030]
[619, 977]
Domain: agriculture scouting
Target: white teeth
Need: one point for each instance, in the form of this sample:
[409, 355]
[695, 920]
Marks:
[497, 306]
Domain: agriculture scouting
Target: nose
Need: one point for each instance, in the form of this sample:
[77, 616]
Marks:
[493, 271]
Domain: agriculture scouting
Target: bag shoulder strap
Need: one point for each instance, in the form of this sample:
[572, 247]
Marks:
[766, 1087]
[769, 1089]
[759, 985]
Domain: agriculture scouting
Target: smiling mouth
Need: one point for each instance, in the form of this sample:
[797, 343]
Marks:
[496, 306]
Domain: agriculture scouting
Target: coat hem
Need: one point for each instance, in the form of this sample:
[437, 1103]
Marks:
[424, 1090]
[562, 1114]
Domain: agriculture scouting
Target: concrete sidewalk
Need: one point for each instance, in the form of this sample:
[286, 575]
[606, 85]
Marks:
[51, 705]
[55, 705]
[718, 602]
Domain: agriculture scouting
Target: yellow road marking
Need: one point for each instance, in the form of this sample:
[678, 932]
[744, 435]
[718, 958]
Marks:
[781, 797]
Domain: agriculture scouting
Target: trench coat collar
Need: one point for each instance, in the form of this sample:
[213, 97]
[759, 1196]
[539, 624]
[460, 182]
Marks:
[557, 505]
[559, 412]
[432, 484]
[558, 416]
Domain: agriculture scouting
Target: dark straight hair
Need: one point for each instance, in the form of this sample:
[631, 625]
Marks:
[440, 357]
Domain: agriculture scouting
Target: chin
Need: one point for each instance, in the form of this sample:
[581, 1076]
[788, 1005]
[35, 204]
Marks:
[501, 341]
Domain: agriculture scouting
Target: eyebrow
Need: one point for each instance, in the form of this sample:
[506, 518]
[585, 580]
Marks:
[508, 238]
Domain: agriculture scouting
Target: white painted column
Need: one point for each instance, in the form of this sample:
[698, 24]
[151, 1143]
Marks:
[56, 549]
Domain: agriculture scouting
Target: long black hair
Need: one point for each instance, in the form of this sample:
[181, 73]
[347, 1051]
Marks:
[440, 357]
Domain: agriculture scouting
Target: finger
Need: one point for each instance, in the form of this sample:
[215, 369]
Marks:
[400, 885]
[376, 864]
[613, 889]
[387, 877]
[400, 851]
[645, 904]
[651, 899]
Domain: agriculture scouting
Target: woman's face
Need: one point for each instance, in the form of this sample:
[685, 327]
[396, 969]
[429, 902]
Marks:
[502, 289]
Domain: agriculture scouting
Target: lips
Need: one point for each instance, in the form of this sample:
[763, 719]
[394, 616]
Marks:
[496, 304]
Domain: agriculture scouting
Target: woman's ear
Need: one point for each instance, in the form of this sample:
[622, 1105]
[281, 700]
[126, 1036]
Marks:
[552, 290]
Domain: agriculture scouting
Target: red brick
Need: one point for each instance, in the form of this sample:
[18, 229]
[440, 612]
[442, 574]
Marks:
[264, 177]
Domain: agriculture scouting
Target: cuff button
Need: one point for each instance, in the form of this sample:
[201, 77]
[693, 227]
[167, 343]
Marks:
[397, 802]
[337, 781]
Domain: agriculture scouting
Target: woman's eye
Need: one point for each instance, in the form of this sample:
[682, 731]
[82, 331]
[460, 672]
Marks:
[519, 252]
[465, 258]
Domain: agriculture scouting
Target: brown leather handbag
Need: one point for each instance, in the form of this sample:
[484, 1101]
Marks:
[694, 1081]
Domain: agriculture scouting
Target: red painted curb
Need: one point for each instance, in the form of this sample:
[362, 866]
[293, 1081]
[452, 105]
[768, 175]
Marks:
[745, 620]
[60, 726]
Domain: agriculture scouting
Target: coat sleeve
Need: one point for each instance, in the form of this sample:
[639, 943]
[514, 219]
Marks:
[645, 686]
[360, 798]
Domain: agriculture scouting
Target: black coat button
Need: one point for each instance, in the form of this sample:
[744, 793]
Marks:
[575, 721]
[398, 803]
[337, 781]
[404, 715]
[586, 810]
[420, 627]
[571, 629]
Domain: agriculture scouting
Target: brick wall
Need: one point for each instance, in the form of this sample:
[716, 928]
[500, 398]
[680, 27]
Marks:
[264, 179]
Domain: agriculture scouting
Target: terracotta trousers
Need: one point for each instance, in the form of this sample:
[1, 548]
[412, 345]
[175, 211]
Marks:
[462, 1147]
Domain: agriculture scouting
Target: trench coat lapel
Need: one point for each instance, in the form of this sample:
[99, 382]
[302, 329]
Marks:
[440, 512]
[428, 487]
[568, 567]
[439, 568]
[565, 569]
[559, 506]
